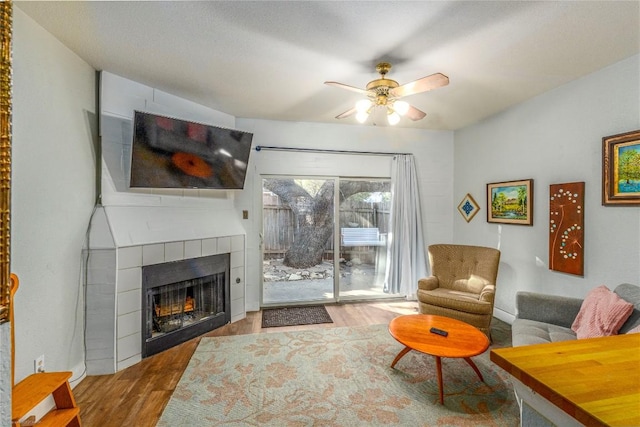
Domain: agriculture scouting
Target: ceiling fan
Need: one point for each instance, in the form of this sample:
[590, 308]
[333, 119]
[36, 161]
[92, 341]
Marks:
[385, 93]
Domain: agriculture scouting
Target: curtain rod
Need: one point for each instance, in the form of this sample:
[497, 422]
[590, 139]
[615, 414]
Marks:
[317, 150]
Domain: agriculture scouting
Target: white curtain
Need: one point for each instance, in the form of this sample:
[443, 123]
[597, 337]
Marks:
[406, 255]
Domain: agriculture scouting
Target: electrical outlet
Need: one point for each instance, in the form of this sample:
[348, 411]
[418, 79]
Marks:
[38, 364]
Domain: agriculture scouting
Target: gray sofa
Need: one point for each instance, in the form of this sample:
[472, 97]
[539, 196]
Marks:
[547, 318]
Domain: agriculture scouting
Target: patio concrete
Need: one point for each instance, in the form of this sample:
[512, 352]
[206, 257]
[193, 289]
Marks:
[283, 284]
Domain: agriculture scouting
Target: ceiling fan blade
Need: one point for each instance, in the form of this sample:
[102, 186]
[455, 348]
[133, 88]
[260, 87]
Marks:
[347, 113]
[415, 114]
[347, 87]
[424, 84]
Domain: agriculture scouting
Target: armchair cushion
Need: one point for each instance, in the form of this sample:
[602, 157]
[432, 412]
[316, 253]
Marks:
[473, 284]
[456, 300]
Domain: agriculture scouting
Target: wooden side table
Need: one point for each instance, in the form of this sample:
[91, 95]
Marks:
[463, 340]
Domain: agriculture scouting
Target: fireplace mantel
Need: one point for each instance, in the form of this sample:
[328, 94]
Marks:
[124, 226]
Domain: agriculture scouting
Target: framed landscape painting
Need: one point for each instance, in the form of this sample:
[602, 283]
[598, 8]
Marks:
[621, 169]
[510, 202]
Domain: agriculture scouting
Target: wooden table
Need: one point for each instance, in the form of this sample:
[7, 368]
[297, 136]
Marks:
[463, 340]
[596, 381]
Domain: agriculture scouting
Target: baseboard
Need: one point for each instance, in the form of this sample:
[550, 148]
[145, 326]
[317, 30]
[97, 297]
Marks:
[503, 315]
[79, 372]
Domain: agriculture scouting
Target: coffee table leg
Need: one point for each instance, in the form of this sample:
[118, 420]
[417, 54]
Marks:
[475, 368]
[439, 369]
[400, 355]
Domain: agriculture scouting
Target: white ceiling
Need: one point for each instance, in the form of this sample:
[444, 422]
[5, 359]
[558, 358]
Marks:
[269, 59]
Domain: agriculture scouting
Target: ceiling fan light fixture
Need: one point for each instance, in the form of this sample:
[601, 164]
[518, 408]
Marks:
[363, 106]
[401, 107]
[362, 116]
[393, 118]
[384, 94]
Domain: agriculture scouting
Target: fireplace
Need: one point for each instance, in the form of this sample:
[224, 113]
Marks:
[182, 300]
[124, 241]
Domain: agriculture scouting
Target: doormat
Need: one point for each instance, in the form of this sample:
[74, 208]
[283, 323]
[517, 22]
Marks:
[291, 316]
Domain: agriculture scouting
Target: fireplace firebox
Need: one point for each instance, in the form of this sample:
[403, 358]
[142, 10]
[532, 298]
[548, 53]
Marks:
[182, 300]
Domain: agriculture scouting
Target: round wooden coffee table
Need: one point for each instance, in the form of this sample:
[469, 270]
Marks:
[463, 340]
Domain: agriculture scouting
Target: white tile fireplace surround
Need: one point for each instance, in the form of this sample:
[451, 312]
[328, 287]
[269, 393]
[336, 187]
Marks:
[114, 279]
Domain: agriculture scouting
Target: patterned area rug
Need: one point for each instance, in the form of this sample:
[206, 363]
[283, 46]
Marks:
[333, 377]
[290, 316]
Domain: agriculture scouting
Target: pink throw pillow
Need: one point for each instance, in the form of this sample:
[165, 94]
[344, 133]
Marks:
[602, 313]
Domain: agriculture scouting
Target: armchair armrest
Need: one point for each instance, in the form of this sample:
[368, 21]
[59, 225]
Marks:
[488, 293]
[428, 283]
[554, 309]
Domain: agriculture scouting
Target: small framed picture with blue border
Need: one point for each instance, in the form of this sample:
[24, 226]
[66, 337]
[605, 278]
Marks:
[468, 207]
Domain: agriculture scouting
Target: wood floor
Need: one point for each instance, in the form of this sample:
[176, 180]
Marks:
[137, 395]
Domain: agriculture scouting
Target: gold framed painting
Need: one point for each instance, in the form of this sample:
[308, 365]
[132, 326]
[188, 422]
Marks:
[510, 202]
[621, 169]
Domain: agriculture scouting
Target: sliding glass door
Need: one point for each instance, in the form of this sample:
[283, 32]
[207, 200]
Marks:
[303, 244]
[297, 240]
[364, 220]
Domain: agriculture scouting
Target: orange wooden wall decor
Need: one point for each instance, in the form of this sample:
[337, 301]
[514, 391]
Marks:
[566, 228]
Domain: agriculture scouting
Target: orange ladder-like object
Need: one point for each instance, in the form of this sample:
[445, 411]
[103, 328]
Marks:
[28, 393]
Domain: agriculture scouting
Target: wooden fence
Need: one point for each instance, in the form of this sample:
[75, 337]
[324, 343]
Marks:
[279, 224]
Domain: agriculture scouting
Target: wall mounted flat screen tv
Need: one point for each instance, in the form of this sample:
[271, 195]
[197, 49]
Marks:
[172, 153]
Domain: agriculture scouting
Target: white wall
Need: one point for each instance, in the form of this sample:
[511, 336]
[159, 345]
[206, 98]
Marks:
[434, 158]
[5, 374]
[53, 194]
[554, 138]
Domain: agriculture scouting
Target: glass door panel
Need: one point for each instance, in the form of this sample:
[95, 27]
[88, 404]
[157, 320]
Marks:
[297, 240]
[364, 220]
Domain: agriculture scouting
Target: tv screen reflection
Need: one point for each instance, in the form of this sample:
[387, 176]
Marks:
[172, 153]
